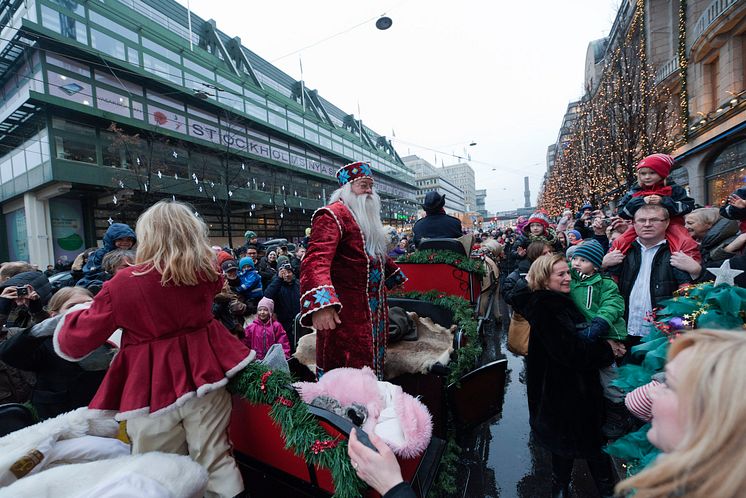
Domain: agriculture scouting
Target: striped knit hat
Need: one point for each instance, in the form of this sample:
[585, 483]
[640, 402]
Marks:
[592, 251]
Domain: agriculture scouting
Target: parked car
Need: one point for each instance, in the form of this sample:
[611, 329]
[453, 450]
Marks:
[61, 279]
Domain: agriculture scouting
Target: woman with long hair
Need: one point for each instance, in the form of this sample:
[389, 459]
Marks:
[168, 380]
[699, 421]
[565, 398]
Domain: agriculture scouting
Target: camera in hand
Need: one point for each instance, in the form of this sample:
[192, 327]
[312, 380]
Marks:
[22, 291]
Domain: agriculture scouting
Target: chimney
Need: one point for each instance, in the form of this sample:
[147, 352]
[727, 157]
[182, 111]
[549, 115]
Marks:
[526, 193]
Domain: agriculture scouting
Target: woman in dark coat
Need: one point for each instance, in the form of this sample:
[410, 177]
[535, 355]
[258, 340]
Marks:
[565, 398]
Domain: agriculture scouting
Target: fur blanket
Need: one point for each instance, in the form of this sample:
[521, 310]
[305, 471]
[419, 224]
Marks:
[68, 426]
[434, 344]
[151, 475]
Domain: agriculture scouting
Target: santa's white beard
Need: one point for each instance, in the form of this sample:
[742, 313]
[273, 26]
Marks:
[366, 208]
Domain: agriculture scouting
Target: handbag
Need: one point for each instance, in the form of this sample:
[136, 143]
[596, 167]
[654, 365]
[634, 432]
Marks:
[518, 333]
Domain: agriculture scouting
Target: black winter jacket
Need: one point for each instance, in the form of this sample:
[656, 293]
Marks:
[664, 279]
[515, 282]
[732, 212]
[61, 385]
[436, 226]
[287, 301]
[678, 204]
[722, 233]
[565, 398]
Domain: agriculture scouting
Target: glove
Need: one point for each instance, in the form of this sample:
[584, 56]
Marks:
[596, 329]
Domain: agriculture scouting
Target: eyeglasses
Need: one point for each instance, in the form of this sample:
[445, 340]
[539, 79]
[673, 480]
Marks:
[651, 221]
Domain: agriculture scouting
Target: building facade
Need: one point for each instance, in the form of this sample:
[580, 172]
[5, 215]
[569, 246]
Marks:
[481, 198]
[428, 178]
[462, 175]
[111, 105]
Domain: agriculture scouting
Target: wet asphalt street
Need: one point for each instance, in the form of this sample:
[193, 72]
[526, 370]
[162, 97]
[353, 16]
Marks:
[499, 457]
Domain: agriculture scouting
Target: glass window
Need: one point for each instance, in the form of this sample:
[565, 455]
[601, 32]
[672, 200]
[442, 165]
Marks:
[74, 149]
[108, 44]
[19, 163]
[295, 128]
[137, 111]
[112, 102]
[6, 169]
[229, 84]
[278, 121]
[199, 69]
[162, 99]
[68, 27]
[113, 26]
[325, 142]
[118, 83]
[164, 118]
[312, 136]
[161, 50]
[255, 110]
[69, 88]
[133, 56]
[726, 172]
[69, 64]
[196, 112]
[33, 153]
[72, 5]
[162, 69]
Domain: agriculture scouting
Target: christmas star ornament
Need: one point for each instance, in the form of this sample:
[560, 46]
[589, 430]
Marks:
[724, 274]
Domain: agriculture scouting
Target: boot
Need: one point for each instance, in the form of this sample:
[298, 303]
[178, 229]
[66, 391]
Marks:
[561, 472]
[602, 473]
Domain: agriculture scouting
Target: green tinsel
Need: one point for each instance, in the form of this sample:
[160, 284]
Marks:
[430, 256]
[697, 306]
[463, 316]
[300, 429]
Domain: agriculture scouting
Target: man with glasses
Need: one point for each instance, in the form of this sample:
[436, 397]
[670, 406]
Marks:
[648, 273]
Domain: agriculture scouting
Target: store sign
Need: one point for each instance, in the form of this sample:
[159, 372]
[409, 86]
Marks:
[15, 223]
[67, 229]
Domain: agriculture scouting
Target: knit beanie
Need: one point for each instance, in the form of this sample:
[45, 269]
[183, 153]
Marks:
[539, 217]
[246, 261]
[282, 260]
[592, 251]
[660, 163]
[576, 234]
[266, 303]
[223, 257]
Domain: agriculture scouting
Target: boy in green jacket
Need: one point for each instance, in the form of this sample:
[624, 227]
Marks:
[598, 298]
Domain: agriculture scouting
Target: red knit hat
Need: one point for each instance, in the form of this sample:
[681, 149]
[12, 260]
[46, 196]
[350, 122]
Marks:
[539, 217]
[660, 163]
[223, 257]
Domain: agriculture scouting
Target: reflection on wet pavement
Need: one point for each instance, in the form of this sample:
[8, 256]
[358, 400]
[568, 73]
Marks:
[499, 458]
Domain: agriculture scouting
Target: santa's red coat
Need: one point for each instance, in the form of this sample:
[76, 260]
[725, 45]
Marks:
[171, 349]
[338, 272]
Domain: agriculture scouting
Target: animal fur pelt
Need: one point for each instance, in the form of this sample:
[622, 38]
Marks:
[150, 475]
[434, 344]
[74, 424]
[399, 419]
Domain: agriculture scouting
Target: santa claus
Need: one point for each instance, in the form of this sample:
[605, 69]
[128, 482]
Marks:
[345, 275]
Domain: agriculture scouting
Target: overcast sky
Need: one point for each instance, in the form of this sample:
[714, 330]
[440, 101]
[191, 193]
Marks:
[447, 73]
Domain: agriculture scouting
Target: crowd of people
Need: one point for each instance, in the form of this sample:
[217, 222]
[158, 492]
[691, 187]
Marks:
[580, 290]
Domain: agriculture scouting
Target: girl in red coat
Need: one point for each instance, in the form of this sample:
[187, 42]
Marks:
[168, 380]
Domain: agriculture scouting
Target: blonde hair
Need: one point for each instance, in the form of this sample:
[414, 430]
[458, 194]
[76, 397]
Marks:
[708, 216]
[64, 295]
[709, 460]
[172, 240]
[541, 269]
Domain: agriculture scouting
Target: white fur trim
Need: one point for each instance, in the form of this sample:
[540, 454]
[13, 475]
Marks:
[55, 337]
[233, 371]
[139, 412]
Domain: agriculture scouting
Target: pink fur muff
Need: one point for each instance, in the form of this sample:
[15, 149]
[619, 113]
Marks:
[402, 421]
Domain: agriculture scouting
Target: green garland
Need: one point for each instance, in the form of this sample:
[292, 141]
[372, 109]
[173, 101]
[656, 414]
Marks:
[300, 430]
[463, 316]
[466, 359]
[431, 256]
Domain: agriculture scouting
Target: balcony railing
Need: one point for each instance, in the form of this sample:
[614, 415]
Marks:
[710, 15]
[667, 70]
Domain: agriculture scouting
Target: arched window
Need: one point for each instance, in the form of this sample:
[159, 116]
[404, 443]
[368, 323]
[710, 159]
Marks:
[725, 173]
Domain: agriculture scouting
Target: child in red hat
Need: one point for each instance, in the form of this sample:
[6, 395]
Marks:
[654, 187]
